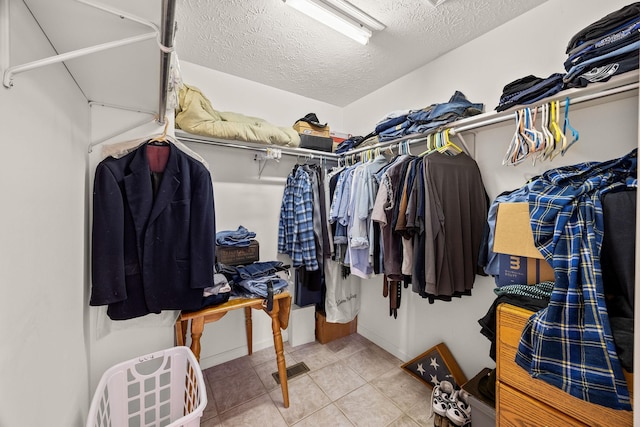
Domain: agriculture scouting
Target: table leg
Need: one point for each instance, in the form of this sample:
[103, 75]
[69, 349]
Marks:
[181, 331]
[249, 328]
[277, 342]
[197, 326]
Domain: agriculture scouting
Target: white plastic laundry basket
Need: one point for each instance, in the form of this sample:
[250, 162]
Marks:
[160, 389]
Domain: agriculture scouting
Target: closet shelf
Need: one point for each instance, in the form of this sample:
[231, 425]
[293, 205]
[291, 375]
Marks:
[616, 88]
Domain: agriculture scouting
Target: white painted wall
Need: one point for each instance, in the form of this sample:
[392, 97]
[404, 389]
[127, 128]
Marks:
[45, 127]
[243, 196]
[531, 44]
[47, 175]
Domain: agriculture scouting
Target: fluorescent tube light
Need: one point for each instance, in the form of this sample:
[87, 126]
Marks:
[357, 14]
[332, 18]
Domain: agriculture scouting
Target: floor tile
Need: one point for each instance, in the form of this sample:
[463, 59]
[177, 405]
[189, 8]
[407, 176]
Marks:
[366, 406]
[305, 398]
[234, 390]
[404, 421]
[257, 412]
[337, 379]
[265, 372]
[351, 382]
[327, 416]
[314, 355]
[346, 346]
[261, 356]
[228, 368]
[369, 364]
[211, 422]
[421, 413]
[404, 390]
[210, 410]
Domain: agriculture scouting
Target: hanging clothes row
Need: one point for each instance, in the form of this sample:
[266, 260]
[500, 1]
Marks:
[303, 232]
[415, 219]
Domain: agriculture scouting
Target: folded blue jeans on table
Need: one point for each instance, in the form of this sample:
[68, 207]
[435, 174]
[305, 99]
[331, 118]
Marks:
[239, 237]
[259, 287]
[255, 270]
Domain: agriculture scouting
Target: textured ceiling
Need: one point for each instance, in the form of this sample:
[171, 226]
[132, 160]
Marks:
[268, 42]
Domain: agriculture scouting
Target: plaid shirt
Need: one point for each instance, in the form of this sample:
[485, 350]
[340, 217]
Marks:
[569, 344]
[295, 228]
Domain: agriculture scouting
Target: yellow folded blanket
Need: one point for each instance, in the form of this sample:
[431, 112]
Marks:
[196, 115]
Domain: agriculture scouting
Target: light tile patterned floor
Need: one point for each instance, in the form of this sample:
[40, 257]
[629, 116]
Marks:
[351, 382]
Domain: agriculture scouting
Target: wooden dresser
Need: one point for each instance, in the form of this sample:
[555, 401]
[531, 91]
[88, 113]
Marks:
[524, 401]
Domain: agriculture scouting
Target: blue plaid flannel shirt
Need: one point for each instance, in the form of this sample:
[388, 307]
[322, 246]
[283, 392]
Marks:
[295, 228]
[569, 344]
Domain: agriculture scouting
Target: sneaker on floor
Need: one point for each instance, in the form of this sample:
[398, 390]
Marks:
[459, 411]
[441, 397]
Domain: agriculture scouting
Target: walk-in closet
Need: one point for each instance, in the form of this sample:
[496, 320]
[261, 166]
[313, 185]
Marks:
[174, 169]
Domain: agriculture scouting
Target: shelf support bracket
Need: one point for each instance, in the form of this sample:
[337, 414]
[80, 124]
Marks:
[9, 72]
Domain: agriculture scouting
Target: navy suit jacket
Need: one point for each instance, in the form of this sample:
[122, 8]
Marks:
[151, 252]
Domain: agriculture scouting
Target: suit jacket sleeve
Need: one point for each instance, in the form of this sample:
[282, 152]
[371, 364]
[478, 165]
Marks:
[203, 232]
[108, 270]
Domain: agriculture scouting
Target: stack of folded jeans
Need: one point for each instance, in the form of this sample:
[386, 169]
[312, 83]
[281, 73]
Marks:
[529, 89]
[427, 119]
[349, 144]
[605, 48]
[393, 122]
[353, 142]
[255, 280]
[240, 237]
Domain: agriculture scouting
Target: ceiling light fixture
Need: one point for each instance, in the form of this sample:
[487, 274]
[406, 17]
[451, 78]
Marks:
[340, 16]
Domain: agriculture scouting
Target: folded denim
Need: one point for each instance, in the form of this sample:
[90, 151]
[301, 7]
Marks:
[540, 86]
[457, 104]
[604, 25]
[390, 122]
[547, 87]
[549, 91]
[604, 72]
[395, 132]
[348, 144]
[259, 286]
[605, 45]
[594, 62]
[521, 84]
[237, 273]
[260, 269]
[215, 299]
[239, 237]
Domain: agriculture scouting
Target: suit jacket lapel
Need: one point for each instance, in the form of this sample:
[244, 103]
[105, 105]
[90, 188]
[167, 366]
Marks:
[168, 185]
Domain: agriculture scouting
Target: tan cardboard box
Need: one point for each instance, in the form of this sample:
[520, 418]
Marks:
[520, 260]
[327, 332]
[304, 128]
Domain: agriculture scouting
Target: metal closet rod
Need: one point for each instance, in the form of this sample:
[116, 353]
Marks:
[488, 119]
[289, 151]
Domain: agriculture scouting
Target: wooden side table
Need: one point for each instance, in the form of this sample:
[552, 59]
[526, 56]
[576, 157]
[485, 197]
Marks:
[279, 320]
